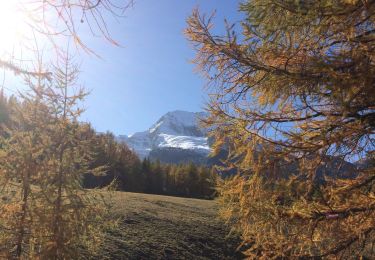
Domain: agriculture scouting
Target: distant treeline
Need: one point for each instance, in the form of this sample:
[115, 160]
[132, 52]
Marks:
[121, 167]
[126, 172]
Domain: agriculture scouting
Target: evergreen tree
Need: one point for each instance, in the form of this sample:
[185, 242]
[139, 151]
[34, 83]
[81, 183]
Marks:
[172, 179]
[192, 179]
[156, 178]
[291, 93]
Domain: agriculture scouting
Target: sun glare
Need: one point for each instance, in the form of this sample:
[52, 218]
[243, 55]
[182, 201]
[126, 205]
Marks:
[13, 26]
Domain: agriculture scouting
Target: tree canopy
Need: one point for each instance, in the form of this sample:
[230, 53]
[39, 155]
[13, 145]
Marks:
[292, 91]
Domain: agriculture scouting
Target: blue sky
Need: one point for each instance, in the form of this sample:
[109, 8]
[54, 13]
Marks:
[133, 85]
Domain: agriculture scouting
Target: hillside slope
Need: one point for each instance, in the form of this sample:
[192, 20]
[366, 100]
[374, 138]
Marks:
[162, 227]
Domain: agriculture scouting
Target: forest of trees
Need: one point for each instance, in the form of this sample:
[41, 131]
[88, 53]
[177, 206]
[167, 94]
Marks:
[121, 167]
[126, 172]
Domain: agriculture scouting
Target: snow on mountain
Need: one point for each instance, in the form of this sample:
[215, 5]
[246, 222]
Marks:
[184, 142]
[140, 142]
[177, 129]
[179, 123]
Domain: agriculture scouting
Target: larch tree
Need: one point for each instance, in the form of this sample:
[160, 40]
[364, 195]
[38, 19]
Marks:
[23, 147]
[292, 100]
[45, 212]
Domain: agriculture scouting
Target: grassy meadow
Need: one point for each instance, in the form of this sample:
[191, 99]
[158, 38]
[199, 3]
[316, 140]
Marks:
[163, 227]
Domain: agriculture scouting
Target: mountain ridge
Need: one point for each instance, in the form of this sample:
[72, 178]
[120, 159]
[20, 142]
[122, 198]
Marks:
[176, 129]
[178, 138]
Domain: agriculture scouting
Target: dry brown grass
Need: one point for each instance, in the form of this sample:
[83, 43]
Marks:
[163, 227]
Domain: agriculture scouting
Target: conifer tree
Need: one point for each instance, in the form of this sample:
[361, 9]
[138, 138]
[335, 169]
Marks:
[45, 212]
[292, 97]
[22, 150]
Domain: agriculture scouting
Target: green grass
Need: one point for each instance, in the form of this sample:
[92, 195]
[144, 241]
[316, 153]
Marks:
[163, 227]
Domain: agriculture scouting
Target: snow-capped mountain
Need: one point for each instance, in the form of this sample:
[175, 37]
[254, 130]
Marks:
[178, 138]
[177, 129]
